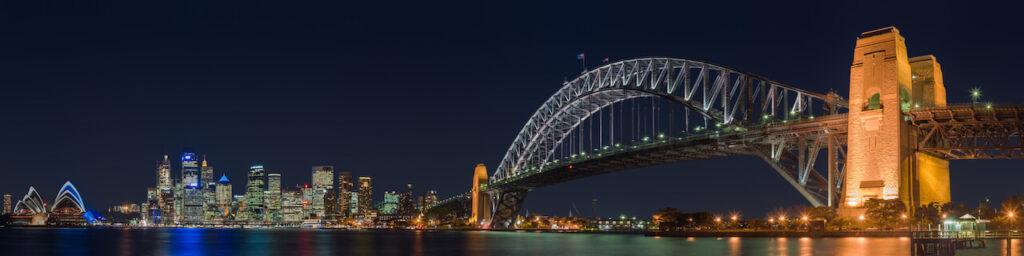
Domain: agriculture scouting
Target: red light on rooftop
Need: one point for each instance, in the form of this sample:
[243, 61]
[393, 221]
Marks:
[305, 202]
[306, 186]
[570, 166]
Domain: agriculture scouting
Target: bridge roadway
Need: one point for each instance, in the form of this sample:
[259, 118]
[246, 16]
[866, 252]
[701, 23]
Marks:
[963, 131]
[666, 150]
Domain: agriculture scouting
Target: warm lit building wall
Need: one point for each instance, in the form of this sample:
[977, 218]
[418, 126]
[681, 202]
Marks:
[932, 179]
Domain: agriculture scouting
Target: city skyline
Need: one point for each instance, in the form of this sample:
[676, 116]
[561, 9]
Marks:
[295, 93]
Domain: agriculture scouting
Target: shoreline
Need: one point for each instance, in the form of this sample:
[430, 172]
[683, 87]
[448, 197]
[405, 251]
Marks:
[779, 234]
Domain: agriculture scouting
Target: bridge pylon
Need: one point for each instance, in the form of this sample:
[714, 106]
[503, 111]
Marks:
[882, 160]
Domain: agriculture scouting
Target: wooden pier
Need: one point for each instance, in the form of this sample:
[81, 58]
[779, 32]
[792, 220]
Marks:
[948, 242]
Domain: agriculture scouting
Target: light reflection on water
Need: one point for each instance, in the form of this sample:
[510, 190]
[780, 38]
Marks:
[419, 243]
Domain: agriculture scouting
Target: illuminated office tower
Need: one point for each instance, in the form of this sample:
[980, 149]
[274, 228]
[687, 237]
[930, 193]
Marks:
[390, 205]
[344, 188]
[353, 205]
[209, 190]
[291, 205]
[307, 199]
[254, 193]
[323, 176]
[165, 187]
[223, 196]
[406, 206]
[273, 197]
[365, 195]
[323, 180]
[190, 177]
[7, 204]
[330, 203]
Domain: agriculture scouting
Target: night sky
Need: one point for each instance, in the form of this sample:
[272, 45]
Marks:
[420, 92]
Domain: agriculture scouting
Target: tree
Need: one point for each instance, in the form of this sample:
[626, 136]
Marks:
[669, 219]
[839, 224]
[928, 214]
[823, 212]
[885, 213]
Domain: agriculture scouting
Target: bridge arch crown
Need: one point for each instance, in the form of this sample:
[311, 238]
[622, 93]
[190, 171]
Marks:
[719, 94]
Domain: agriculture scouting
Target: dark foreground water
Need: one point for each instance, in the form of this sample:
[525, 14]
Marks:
[328, 242]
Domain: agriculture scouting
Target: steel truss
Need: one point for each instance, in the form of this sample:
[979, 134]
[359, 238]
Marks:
[970, 131]
[726, 96]
[506, 207]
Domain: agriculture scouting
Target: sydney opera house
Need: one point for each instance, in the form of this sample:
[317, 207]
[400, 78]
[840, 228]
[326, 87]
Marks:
[67, 209]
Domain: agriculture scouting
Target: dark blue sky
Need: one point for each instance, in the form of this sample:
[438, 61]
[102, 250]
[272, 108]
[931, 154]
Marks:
[419, 92]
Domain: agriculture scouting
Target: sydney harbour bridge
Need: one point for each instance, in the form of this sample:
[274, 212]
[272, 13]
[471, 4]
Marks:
[891, 138]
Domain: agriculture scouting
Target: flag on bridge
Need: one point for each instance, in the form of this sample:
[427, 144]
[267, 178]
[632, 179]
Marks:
[579, 57]
[605, 60]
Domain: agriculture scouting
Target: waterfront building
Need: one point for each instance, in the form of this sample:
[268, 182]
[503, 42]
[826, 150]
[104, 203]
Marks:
[365, 195]
[307, 199]
[193, 191]
[238, 207]
[179, 202]
[68, 208]
[7, 204]
[291, 205]
[344, 188]
[210, 209]
[330, 203]
[390, 204]
[153, 206]
[254, 193]
[224, 196]
[273, 197]
[165, 185]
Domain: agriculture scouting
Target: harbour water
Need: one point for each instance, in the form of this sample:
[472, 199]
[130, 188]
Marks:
[414, 243]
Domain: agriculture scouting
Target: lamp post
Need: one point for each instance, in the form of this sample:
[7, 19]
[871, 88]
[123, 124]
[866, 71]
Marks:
[975, 95]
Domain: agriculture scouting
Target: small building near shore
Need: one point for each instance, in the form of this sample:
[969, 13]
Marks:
[966, 225]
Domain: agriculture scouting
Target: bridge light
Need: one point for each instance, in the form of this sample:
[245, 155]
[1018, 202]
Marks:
[988, 106]
[646, 138]
[618, 145]
[718, 125]
[765, 116]
[661, 135]
[861, 217]
[812, 117]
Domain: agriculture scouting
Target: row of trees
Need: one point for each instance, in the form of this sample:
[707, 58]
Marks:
[882, 214]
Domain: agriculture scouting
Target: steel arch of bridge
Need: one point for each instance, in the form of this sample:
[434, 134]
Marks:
[723, 95]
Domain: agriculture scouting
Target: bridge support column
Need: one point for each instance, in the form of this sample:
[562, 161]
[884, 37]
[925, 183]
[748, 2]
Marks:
[881, 159]
[507, 207]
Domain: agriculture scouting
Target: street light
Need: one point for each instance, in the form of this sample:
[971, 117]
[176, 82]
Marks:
[975, 94]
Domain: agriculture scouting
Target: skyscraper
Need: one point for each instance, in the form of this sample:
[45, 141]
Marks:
[254, 193]
[323, 179]
[390, 205]
[406, 206]
[152, 211]
[165, 188]
[323, 176]
[365, 195]
[190, 177]
[209, 191]
[224, 196]
[344, 188]
[7, 204]
[291, 205]
[330, 203]
[273, 197]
